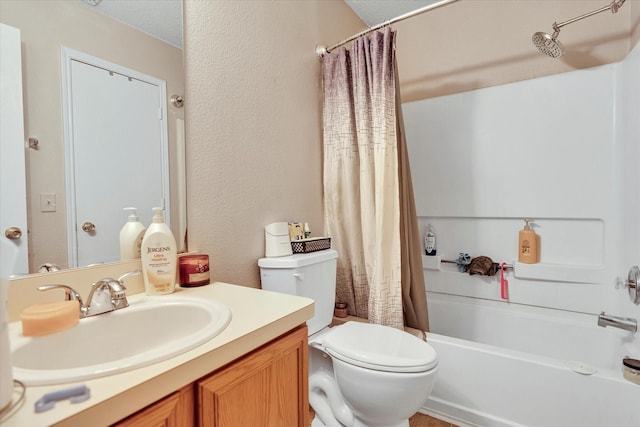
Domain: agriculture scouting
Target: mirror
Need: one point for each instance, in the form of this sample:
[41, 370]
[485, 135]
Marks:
[45, 28]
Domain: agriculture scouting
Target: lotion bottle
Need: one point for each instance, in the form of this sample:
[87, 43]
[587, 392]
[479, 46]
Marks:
[430, 241]
[159, 257]
[131, 236]
[528, 245]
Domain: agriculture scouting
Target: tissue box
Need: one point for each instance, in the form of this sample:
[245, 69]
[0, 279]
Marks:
[313, 244]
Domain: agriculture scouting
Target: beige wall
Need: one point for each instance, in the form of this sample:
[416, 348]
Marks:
[46, 25]
[253, 105]
[253, 97]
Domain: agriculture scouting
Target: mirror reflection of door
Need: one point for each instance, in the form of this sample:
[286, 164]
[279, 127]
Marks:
[116, 154]
[13, 192]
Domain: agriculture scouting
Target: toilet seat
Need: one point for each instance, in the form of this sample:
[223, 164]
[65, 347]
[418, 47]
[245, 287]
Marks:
[380, 348]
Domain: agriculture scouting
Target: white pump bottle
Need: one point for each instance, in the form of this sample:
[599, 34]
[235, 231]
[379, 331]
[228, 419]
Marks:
[131, 236]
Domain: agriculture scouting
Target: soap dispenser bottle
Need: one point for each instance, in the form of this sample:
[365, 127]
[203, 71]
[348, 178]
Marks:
[528, 244]
[430, 241]
[131, 236]
[159, 257]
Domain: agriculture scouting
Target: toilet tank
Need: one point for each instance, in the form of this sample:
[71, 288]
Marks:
[311, 275]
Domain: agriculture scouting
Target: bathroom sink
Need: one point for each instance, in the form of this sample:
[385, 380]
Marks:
[150, 330]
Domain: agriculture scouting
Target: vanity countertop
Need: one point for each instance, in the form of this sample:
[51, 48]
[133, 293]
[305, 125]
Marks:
[257, 317]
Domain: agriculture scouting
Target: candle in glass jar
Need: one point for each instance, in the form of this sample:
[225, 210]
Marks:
[194, 270]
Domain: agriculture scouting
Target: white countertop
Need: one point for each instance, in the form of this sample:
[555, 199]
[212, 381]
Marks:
[257, 317]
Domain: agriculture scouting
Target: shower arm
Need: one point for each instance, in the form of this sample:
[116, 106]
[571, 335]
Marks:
[614, 6]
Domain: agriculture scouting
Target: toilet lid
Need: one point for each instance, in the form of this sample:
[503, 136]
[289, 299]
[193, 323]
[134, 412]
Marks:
[379, 347]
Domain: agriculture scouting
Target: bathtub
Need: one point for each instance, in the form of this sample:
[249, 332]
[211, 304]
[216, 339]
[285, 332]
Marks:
[567, 376]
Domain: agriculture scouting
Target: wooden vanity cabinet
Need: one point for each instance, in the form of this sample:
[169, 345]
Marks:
[174, 410]
[265, 388]
[268, 387]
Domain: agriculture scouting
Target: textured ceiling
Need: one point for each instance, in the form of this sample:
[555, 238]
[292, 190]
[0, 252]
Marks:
[159, 18]
[163, 18]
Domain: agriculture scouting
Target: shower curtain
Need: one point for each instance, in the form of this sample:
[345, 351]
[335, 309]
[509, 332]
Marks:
[369, 207]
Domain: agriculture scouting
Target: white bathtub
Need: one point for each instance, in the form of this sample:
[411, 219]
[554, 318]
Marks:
[492, 385]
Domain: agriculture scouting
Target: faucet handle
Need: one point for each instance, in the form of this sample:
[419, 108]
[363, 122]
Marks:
[118, 291]
[128, 274]
[633, 284]
[116, 287]
[101, 298]
[70, 294]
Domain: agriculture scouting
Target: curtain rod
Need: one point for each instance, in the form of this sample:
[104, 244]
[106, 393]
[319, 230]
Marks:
[322, 50]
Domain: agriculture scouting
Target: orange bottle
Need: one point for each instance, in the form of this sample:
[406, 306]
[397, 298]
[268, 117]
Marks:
[528, 245]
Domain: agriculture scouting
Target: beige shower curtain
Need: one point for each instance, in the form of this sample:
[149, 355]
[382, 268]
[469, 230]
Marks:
[369, 206]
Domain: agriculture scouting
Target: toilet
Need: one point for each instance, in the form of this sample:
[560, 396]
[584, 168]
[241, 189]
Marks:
[360, 374]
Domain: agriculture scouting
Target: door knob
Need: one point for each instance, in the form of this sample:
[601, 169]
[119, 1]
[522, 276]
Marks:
[13, 233]
[88, 227]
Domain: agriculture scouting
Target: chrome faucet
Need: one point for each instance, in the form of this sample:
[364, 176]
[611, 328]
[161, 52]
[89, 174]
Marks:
[626, 323]
[106, 295]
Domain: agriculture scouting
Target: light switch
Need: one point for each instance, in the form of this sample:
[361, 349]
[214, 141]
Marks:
[47, 202]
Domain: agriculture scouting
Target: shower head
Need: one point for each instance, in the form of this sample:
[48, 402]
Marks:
[549, 45]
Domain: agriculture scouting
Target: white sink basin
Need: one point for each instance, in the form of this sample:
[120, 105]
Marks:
[151, 329]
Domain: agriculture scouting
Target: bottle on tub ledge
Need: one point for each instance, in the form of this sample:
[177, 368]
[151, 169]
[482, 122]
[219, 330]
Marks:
[430, 241]
[159, 257]
[528, 244]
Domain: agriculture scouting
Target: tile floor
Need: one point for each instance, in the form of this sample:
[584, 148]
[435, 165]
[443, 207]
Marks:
[421, 420]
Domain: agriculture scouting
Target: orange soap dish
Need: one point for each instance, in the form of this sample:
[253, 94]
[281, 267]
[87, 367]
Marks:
[50, 317]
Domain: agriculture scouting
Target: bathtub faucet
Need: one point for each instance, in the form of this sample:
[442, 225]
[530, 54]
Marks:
[626, 323]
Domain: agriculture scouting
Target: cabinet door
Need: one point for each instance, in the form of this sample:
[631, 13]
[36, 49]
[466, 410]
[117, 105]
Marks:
[175, 410]
[267, 388]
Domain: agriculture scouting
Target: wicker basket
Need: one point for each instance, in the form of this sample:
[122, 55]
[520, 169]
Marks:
[313, 244]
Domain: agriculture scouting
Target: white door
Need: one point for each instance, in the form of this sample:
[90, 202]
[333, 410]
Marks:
[13, 192]
[118, 157]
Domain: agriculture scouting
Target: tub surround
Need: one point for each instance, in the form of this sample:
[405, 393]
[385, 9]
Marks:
[258, 317]
[583, 145]
[507, 153]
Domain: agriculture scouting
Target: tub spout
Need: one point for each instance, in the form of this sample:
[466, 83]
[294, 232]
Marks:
[626, 323]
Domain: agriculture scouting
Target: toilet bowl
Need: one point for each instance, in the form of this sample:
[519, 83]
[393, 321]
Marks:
[383, 375]
[360, 374]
